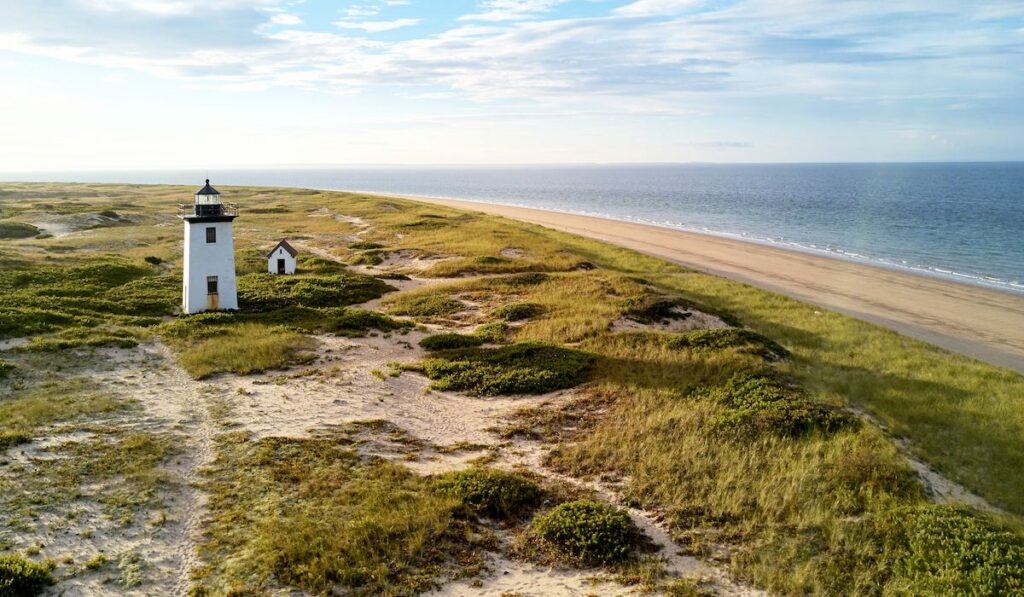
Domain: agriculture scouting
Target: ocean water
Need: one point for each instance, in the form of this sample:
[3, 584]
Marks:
[963, 221]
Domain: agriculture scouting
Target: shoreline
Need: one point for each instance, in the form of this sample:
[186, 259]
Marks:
[978, 321]
[971, 280]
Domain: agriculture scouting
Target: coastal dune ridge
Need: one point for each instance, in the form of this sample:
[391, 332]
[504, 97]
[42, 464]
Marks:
[979, 322]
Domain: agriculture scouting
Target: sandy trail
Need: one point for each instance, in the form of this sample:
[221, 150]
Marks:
[162, 538]
[978, 322]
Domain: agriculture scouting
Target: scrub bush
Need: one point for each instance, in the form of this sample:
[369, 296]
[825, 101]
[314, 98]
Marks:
[518, 311]
[589, 531]
[20, 576]
[490, 492]
[759, 403]
[516, 369]
[424, 306]
[450, 341]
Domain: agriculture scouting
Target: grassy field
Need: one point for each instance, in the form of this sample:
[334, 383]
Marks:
[744, 440]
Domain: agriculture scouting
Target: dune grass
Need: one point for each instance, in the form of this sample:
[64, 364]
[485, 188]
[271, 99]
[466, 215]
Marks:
[309, 514]
[25, 412]
[243, 348]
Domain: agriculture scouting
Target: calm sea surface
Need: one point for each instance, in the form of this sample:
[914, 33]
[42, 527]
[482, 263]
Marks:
[957, 220]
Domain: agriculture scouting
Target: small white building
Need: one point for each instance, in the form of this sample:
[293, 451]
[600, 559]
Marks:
[208, 280]
[281, 260]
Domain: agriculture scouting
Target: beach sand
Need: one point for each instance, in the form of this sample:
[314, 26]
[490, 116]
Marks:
[977, 322]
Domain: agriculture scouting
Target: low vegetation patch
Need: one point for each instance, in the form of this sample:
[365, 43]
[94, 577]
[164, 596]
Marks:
[342, 321]
[309, 514]
[20, 577]
[259, 293]
[13, 230]
[108, 292]
[492, 332]
[726, 339]
[418, 305]
[652, 308]
[518, 311]
[949, 550]
[760, 403]
[243, 349]
[490, 492]
[24, 412]
[450, 341]
[515, 369]
[85, 337]
[365, 245]
[593, 533]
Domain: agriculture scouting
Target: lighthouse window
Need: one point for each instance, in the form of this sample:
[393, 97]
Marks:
[211, 235]
[211, 284]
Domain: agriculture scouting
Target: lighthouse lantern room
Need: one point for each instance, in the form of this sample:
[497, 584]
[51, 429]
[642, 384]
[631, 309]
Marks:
[208, 283]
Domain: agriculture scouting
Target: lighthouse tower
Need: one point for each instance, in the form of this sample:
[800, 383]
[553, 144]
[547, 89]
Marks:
[208, 283]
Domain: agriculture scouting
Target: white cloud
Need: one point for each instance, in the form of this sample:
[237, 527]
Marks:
[511, 10]
[377, 26]
[285, 19]
[644, 8]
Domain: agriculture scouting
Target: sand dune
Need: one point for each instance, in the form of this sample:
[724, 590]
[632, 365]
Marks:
[977, 322]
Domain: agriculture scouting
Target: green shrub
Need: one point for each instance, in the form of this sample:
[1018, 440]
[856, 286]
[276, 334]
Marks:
[489, 260]
[6, 369]
[259, 293]
[516, 369]
[592, 532]
[431, 305]
[450, 341]
[491, 332]
[725, 338]
[518, 311]
[12, 230]
[490, 492]
[950, 550]
[759, 403]
[525, 279]
[153, 260]
[20, 576]
[652, 308]
[343, 321]
[365, 245]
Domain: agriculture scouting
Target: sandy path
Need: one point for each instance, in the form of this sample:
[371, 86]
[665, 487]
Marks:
[977, 322]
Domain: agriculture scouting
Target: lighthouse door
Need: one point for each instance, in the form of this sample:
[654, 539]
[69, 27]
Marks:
[280, 266]
[212, 294]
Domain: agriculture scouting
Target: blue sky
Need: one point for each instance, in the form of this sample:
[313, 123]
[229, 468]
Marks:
[220, 83]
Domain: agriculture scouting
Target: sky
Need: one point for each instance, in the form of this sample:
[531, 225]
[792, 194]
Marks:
[123, 84]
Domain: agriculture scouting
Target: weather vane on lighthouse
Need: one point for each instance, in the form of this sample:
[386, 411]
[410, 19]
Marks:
[208, 280]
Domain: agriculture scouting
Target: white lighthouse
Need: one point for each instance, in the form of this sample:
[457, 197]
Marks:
[208, 283]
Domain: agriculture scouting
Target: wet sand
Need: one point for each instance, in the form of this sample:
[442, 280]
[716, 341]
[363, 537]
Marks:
[977, 322]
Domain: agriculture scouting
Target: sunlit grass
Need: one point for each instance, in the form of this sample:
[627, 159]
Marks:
[243, 349]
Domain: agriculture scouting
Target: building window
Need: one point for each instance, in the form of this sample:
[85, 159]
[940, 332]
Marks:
[211, 235]
[211, 284]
